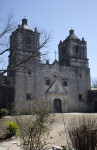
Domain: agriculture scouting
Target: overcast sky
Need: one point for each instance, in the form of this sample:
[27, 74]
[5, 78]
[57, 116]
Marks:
[58, 17]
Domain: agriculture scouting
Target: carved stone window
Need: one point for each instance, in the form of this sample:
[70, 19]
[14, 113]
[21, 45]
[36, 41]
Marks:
[47, 82]
[81, 97]
[64, 82]
[28, 96]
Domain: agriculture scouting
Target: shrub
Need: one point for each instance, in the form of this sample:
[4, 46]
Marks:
[35, 129]
[63, 147]
[3, 112]
[83, 133]
[12, 129]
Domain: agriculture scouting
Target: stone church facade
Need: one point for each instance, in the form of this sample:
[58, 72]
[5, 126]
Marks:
[64, 84]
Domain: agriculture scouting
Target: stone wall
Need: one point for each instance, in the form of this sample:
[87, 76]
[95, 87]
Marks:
[78, 82]
[68, 80]
[92, 99]
[6, 94]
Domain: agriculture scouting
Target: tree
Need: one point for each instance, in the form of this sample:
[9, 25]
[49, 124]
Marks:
[94, 83]
[5, 29]
[44, 39]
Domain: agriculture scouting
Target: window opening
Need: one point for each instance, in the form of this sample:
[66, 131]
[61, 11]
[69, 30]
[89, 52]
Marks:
[64, 83]
[29, 72]
[28, 96]
[64, 51]
[47, 82]
[80, 75]
[77, 50]
[80, 96]
[28, 43]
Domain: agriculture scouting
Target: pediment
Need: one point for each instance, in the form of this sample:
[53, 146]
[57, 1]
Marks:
[56, 87]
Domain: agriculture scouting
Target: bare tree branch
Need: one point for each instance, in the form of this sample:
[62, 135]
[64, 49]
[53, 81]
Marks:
[4, 51]
[94, 83]
[9, 26]
[45, 39]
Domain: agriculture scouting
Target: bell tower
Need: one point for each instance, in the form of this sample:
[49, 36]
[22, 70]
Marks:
[73, 51]
[23, 44]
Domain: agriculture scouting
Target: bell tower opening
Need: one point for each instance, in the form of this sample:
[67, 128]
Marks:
[77, 51]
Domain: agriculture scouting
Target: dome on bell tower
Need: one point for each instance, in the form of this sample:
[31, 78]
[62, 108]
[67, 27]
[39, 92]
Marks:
[24, 24]
[72, 36]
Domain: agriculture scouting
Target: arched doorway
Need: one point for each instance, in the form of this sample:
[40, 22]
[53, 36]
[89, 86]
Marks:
[57, 106]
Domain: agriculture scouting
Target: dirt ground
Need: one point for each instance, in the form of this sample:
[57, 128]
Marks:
[62, 121]
[58, 135]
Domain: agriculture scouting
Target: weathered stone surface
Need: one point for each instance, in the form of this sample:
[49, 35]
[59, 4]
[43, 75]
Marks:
[68, 79]
[72, 69]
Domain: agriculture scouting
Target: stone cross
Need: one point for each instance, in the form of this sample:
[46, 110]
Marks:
[55, 54]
